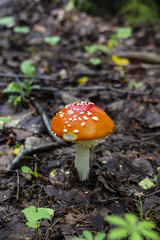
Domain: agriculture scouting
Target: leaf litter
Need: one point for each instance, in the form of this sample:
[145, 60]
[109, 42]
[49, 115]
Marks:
[118, 164]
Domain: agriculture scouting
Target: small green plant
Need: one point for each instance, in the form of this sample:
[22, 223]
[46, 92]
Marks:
[140, 204]
[34, 216]
[140, 12]
[52, 40]
[5, 120]
[26, 169]
[88, 236]
[129, 226]
[121, 33]
[21, 89]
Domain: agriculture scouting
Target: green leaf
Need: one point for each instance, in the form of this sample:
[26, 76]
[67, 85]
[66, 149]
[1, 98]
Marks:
[150, 234]
[14, 99]
[35, 87]
[26, 169]
[12, 87]
[91, 49]
[35, 174]
[146, 224]
[135, 236]
[78, 238]
[146, 183]
[117, 233]
[28, 68]
[131, 218]
[135, 84]
[102, 48]
[87, 235]
[100, 236]
[69, 6]
[95, 61]
[2, 119]
[21, 29]
[113, 39]
[7, 21]
[52, 40]
[34, 216]
[116, 220]
[124, 32]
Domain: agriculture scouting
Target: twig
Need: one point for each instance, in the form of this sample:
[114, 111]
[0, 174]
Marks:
[17, 194]
[142, 56]
[45, 121]
[42, 77]
[91, 88]
[91, 73]
[28, 151]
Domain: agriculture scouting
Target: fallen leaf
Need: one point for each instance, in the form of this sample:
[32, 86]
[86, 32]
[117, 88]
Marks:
[120, 61]
[146, 183]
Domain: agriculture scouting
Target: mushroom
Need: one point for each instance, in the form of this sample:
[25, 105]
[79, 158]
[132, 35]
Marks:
[82, 123]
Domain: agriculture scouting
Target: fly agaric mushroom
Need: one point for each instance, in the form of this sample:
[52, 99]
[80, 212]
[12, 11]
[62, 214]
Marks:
[82, 123]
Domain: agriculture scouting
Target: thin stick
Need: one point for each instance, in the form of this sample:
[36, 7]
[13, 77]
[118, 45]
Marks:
[28, 151]
[91, 88]
[12, 75]
[45, 121]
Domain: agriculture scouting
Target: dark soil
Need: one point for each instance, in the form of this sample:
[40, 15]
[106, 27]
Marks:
[118, 163]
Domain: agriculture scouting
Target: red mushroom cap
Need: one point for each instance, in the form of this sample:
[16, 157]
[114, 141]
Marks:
[81, 121]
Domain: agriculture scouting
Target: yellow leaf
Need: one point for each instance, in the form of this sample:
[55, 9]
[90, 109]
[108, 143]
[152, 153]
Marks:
[17, 149]
[120, 61]
[53, 173]
[83, 80]
[110, 44]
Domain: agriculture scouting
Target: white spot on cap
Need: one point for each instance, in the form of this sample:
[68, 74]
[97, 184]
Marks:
[89, 113]
[76, 131]
[95, 118]
[69, 125]
[70, 119]
[64, 130]
[70, 112]
[83, 123]
[79, 118]
[61, 115]
[85, 117]
[81, 112]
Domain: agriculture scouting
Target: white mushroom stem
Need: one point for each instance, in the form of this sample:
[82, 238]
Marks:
[82, 157]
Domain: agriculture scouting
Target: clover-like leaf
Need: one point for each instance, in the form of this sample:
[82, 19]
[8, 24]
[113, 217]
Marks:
[52, 40]
[34, 215]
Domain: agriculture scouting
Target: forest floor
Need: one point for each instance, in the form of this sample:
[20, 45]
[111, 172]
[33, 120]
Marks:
[130, 95]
